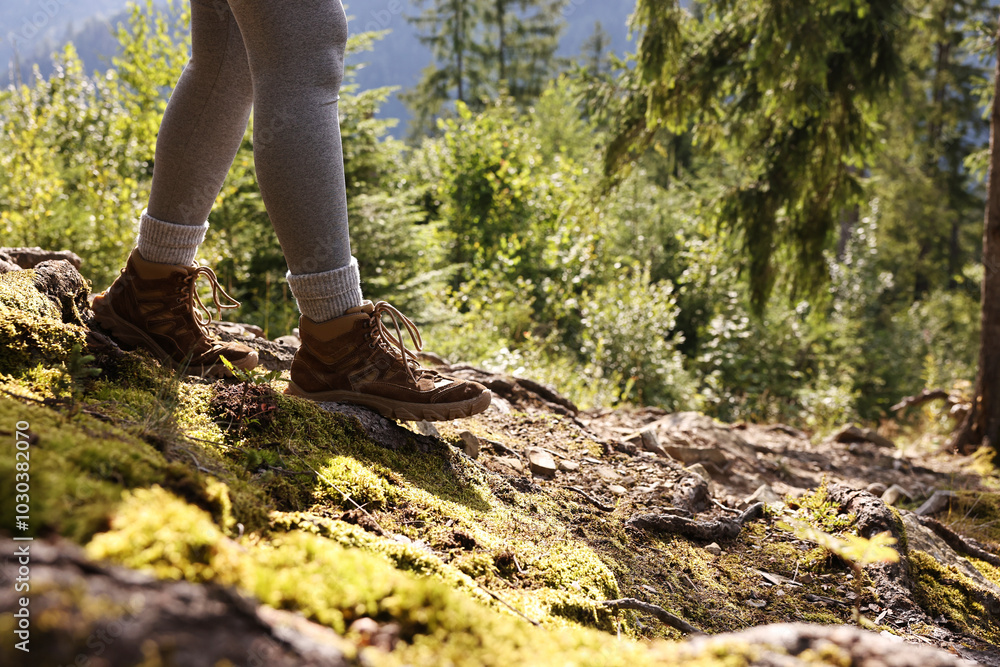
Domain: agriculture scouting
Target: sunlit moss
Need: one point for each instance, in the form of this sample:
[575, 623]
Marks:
[943, 590]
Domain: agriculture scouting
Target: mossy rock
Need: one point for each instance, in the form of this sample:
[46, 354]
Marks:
[32, 330]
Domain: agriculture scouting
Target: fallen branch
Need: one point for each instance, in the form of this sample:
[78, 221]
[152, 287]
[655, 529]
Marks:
[723, 528]
[926, 396]
[958, 543]
[662, 614]
[822, 598]
[506, 604]
[593, 501]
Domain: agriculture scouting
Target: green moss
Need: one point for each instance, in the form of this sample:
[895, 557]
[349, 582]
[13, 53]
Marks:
[988, 570]
[79, 467]
[976, 514]
[945, 591]
[334, 585]
[31, 328]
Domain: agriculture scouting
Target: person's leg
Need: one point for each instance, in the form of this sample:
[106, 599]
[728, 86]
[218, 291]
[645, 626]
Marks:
[296, 54]
[200, 133]
[152, 303]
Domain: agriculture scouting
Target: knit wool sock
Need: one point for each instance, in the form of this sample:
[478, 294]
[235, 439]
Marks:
[324, 296]
[169, 243]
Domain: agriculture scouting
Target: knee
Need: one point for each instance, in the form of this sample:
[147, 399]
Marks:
[298, 48]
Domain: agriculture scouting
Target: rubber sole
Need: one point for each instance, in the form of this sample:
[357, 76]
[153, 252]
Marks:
[124, 332]
[399, 409]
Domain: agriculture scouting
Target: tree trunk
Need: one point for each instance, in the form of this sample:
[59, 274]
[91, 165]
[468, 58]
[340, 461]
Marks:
[501, 20]
[982, 426]
[459, 45]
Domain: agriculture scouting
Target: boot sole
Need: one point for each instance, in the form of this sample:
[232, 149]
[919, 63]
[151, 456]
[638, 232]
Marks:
[400, 409]
[125, 332]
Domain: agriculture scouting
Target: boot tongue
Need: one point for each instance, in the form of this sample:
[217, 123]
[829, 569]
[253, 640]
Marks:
[152, 270]
[366, 307]
[338, 326]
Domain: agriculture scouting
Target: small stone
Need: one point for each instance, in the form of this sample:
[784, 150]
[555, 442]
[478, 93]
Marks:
[805, 578]
[511, 463]
[607, 473]
[628, 480]
[617, 489]
[626, 448]
[364, 626]
[692, 455]
[700, 470]
[852, 433]
[471, 444]
[540, 462]
[713, 549]
[253, 329]
[231, 328]
[289, 341]
[427, 428]
[757, 604]
[568, 466]
[387, 637]
[501, 405]
[939, 501]
[876, 488]
[894, 494]
[764, 494]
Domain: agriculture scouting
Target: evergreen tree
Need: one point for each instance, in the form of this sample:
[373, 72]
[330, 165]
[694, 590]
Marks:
[594, 56]
[524, 35]
[982, 426]
[790, 94]
[932, 204]
[450, 28]
[483, 48]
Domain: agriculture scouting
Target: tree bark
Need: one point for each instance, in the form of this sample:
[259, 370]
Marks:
[982, 426]
[459, 45]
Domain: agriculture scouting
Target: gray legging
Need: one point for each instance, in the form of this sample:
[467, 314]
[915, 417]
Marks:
[286, 59]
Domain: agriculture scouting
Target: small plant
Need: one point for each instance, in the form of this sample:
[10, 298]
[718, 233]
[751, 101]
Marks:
[856, 551]
[818, 510]
[252, 376]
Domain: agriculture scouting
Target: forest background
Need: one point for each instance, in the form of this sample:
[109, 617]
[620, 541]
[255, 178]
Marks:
[532, 220]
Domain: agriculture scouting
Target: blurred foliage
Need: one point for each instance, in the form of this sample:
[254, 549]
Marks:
[499, 232]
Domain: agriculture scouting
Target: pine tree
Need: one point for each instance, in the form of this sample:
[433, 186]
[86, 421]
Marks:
[450, 28]
[524, 35]
[933, 211]
[484, 48]
[594, 54]
[790, 94]
[982, 425]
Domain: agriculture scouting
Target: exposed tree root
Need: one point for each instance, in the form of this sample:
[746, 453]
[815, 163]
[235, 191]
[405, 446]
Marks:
[723, 528]
[893, 581]
[961, 544]
[662, 614]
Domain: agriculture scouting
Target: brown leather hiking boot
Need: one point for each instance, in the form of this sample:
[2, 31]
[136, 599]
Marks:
[153, 306]
[355, 359]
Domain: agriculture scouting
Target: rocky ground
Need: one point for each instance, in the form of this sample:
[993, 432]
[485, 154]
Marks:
[183, 521]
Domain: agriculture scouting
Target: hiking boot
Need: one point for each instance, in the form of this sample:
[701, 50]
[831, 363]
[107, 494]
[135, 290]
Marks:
[153, 306]
[354, 358]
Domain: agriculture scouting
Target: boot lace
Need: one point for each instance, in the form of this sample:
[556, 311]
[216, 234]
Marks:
[192, 297]
[383, 335]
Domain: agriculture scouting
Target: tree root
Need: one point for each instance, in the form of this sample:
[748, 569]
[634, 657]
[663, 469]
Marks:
[893, 581]
[961, 544]
[662, 614]
[723, 528]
